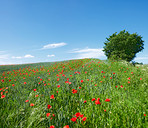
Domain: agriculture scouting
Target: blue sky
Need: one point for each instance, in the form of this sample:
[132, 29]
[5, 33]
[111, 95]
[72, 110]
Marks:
[54, 30]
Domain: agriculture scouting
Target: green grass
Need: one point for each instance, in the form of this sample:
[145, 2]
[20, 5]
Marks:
[126, 108]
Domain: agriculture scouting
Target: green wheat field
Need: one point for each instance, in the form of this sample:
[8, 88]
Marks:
[84, 93]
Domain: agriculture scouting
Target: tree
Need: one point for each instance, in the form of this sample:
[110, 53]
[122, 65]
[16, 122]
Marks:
[123, 46]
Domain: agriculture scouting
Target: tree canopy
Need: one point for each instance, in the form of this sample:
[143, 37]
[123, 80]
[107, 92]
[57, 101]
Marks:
[123, 46]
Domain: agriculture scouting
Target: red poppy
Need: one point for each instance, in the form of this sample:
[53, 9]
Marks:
[144, 114]
[34, 89]
[31, 104]
[77, 114]
[121, 86]
[84, 118]
[93, 99]
[52, 97]
[67, 126]
[47, 114]
[26, 100]
[24, 82]
[13, 85]
[116, 86]
[104, 110]
[79, 87]
[140, 78]
[3, 96]
[36, 95]
[85, 101]
[58, 86]
[52, 126]
[97, 102]
[81, 81]
[48, 106]
[81, 115]
[107, 100]
[73, 119]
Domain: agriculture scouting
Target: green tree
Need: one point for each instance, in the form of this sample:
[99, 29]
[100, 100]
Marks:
[123, 46]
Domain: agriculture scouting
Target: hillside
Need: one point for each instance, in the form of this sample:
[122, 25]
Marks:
[85, 93]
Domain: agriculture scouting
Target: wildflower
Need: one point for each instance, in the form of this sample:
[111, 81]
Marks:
[48, 106]
[77, 114]
[121, 86]
[93, 99]
[34, 89]
[107, 100]
[13, 85]
[26, 100]
[3, 96]
[97, 102]
[81, 81]
[85, 101]
[84, 118]
[116, 86]
[81, 115]
[58, 86]
[73, 119]
[52, 97]
[67, 126]
[144, 114]
[24, 82]
[79, 87]
[104, 110]
[47, 114]
[140, 78]
[36, 95]
[31, 104]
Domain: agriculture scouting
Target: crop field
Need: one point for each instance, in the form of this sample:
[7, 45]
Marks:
[84, 93]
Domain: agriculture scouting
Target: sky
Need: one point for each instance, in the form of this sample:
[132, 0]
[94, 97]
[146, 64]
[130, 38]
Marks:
[34, 31]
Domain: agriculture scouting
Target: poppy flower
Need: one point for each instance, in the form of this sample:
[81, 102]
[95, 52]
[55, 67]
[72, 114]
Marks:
[24, 82]
[48, 106]
[52, 126]
[81, 81]
[84, 118]
[73, 119]
[144, 114]
[31, 104]
[3, 96]
[36, 95]
[81, 115]
[104, 110]
[97, 102]
[58, 86]
[26, 100]
[85, 101]
[67, 126]
[34, 89]
[140, 78]
[121, 86]
[93, 99]
[107, 100]
[79, 87]
[13, 85]
[52, 97]
[47, 114]
[77, 114]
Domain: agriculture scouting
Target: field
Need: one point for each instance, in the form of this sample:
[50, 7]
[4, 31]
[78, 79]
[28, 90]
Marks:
[85, 93]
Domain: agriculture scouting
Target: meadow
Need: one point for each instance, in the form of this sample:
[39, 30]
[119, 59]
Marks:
[84, 93]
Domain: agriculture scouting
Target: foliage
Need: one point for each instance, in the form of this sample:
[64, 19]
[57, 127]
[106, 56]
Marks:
[123, 46]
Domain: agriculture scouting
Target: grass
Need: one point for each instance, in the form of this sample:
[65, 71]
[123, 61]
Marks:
[61, 94]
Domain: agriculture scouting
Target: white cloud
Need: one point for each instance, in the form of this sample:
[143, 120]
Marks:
[141, 58]
[28, 56]
[54, 45]
[88, 53]
[50, 55]
[4, 56]
[20, 57]
[17, 57]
